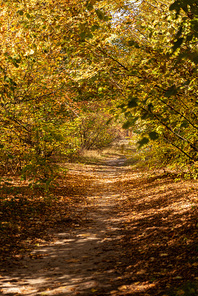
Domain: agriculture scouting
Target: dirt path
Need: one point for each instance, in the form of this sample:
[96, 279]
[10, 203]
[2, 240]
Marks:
[106, 254]
[74, 263]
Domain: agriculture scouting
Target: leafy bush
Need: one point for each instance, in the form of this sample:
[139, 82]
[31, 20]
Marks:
[95, 132]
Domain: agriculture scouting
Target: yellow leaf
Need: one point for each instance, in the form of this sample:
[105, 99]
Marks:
[122, 288]
[180, 292]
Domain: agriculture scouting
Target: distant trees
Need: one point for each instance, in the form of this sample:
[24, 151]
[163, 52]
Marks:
[66, 65]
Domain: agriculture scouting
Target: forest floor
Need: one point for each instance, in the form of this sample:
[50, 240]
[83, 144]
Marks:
[108, 228]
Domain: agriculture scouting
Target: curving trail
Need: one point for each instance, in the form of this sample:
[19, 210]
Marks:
[74, 263]
[114, 251]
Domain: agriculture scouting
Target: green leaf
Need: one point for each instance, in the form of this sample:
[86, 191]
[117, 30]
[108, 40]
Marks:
[194, 24]
[106, 18]
[133, 43]
[150, 107]
[189, 37]
[145, 115]
[171, 91]
[122, 106]
[143, 142]
[179, 32]
[85, 35]
[130, 122]
[20, 12]
[15, 64]
[94, 28]
[194, 57]
[7, 79]
[177, 44]
[184, 124]
[132, 101]
[153, 136]
[100, 14]
[109, 121]
[89, 6]
[175, 6]
[126, 125]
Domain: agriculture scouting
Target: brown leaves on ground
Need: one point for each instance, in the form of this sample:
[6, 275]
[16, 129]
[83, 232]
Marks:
[157, 217]
[160, 246]
[27, 215]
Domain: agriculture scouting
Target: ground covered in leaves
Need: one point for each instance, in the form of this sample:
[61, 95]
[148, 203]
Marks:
[105, 229]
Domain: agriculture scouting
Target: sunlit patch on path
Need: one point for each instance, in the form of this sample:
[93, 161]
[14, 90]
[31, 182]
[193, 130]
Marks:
[137, 238]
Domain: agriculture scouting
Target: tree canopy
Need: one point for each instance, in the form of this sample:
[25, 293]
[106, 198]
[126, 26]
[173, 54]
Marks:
[63, 63]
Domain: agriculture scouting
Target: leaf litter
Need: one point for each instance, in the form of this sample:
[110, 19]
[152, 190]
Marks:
[107, 229]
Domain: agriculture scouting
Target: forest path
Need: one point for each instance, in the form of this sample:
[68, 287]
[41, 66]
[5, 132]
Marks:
[124, 244]
[81, 261]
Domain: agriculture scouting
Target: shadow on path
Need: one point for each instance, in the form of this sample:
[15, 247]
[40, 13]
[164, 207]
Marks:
[136, 236]
[82, 259]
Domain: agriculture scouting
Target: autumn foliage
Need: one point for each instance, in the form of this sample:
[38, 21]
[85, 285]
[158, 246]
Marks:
[64, 62]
